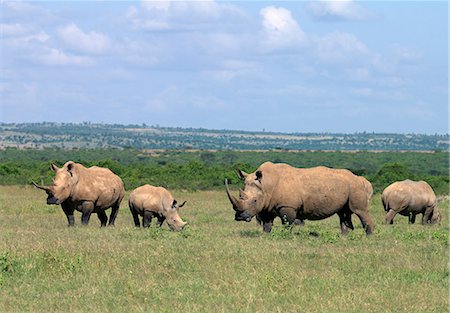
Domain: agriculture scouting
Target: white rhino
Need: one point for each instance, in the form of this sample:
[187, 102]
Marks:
[149, 201]
[304, 194]
[409, 198]
[88, 190]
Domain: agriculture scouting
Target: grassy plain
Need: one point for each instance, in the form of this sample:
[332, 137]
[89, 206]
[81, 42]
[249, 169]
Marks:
[215, 264]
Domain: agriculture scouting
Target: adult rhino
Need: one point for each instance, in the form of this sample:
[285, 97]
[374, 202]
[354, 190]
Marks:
[409, 198]
[304, 194]
[88, 190]
[149, 201]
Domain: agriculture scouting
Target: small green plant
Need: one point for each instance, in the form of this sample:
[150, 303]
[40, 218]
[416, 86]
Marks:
[282, 232]
[186, 232]
[251, 233]
[61, 263]
[7, 266]
[441, 236]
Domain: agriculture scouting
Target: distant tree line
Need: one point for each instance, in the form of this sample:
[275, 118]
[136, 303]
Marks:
[91, 135]
[198, 170]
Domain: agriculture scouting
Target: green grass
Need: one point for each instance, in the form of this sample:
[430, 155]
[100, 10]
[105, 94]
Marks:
[215, 264]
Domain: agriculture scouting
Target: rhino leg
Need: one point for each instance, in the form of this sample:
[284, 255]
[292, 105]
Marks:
[266, 220]
[390, 216]
[86, 211]
[287, 215]
[267, 226]
[412, 218]
[137, 223]
[135, 214]
[114, 211]
[161, 219]
[68, 210]
[103, 218]
[147, 219]
[345, 219]
[365, 218]
[427, 215]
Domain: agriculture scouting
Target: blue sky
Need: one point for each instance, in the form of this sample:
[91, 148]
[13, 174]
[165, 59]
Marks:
[297, 66]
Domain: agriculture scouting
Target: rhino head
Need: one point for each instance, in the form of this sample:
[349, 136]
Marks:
[173, 218]
[63, 182]
[251, 200]
[435, 217]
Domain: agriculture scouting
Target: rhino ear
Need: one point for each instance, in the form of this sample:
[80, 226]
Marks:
[258, 175]
[70, 167]
[54, 168]
[242, 175]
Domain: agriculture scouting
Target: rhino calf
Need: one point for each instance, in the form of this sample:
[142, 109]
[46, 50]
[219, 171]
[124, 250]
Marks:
[409, 198]
[150, 201]
[88, 190]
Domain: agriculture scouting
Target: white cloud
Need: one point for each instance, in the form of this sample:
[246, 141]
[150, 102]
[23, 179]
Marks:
[339, 10]
[25, 11]
[200, 8]
[407, 54]
[362, 92]
[232, 69]
[182, 15]
[13, 29]
[91, 42]
[280, 29]
[57, 57]
[342, 47]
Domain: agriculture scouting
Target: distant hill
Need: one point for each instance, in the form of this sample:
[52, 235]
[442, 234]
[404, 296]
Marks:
[94, 135]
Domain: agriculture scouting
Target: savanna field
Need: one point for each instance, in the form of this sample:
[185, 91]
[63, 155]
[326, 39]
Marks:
[239, 110]
[215, 263]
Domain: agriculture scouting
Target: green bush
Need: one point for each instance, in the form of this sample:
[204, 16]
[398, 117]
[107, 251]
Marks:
[198, 170]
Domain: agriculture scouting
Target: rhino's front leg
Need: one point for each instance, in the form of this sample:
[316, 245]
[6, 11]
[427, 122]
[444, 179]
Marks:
[103, 218]
[412, 218]
[426, 215]
[146, 218]
[68, 210]
[287, 215]
[86, 211]
[266, 220]
[267, 226]
[161, 219]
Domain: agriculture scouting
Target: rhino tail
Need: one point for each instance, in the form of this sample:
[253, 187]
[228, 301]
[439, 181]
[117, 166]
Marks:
[130, 204]
[385, 205]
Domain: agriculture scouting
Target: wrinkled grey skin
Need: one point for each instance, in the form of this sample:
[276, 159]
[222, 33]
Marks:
[149, 201]
[300, 194]
[88, 190]
[409, 198]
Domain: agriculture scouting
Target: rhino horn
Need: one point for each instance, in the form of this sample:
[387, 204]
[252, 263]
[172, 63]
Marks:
[233, 200]
[41, 187]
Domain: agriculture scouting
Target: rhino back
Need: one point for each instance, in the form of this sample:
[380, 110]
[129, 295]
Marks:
[410, 196]
[99, 185]
[151, 198]
[319, 192]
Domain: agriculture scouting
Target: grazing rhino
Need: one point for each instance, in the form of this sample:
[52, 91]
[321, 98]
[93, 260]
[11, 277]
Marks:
[150, 201]
[305, 194]
[88, 190]
[409, 198]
